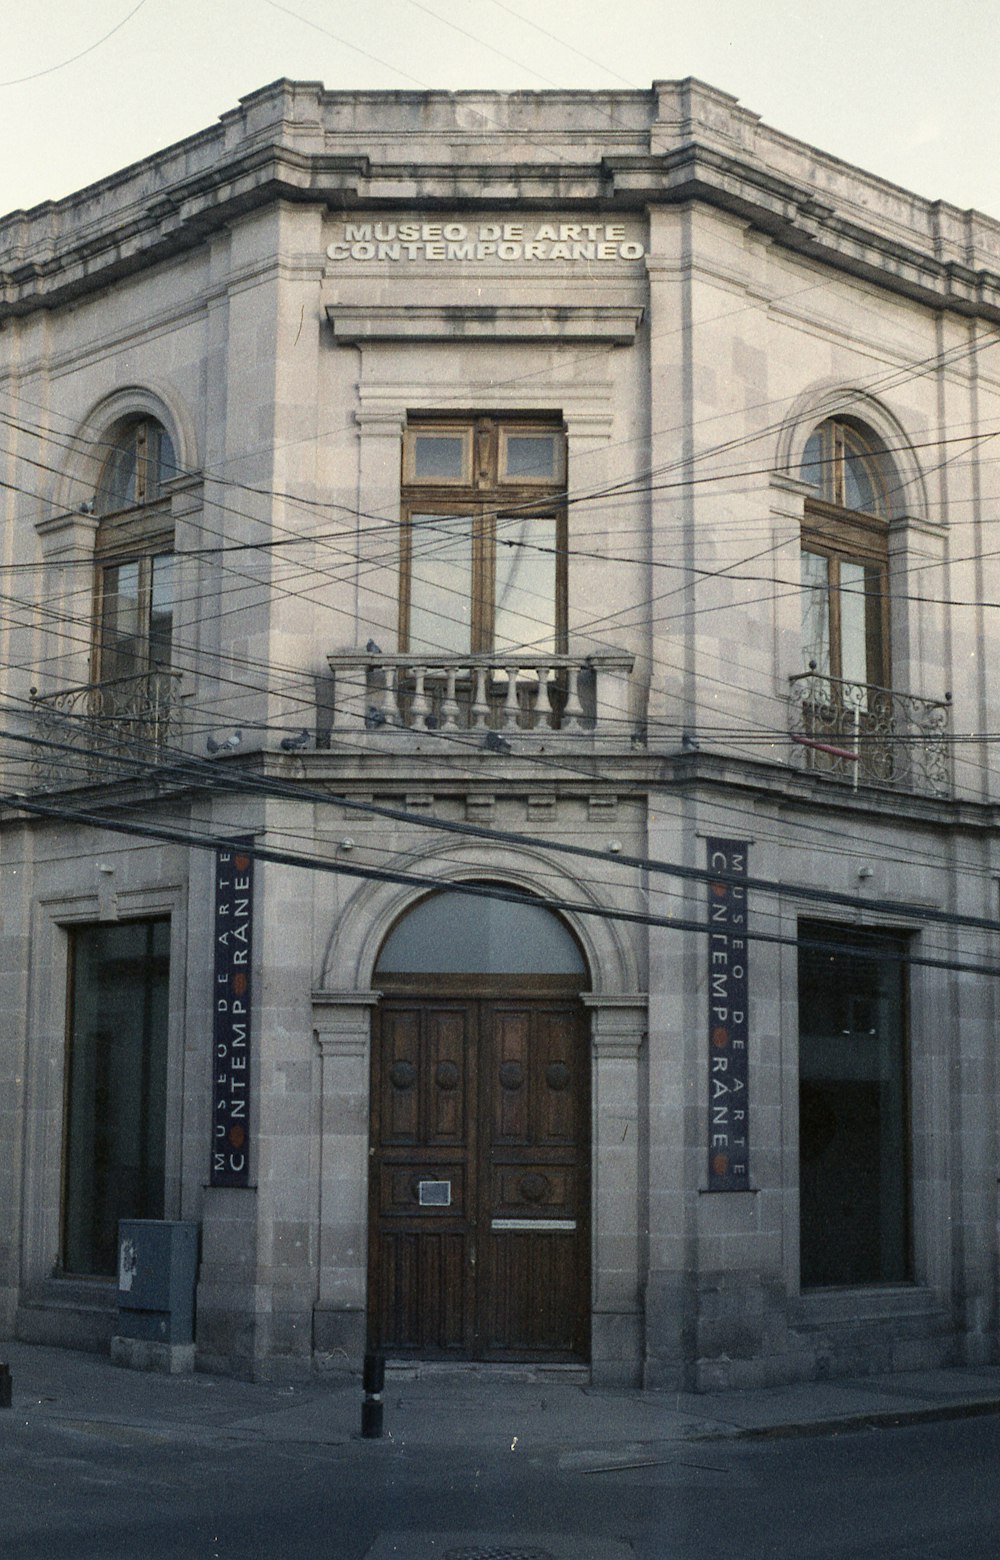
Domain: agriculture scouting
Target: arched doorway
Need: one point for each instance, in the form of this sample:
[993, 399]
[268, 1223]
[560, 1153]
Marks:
[479, 1184]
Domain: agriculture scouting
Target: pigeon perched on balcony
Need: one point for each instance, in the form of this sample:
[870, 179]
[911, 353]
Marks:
[374, 718]
[292, 744]
[371, 648]
[230, 745]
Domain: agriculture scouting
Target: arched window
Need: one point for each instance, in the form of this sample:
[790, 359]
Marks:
[142, 459]
[845, 555]
[451, 933]
[135, 563]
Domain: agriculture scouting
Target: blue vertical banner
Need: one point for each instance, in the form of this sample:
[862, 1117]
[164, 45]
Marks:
[728, 1026]
[231, 1004]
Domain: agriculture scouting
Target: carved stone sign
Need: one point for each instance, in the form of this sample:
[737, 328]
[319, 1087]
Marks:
[521, 242]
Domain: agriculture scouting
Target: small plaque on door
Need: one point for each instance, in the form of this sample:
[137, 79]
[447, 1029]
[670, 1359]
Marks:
[434, 1194]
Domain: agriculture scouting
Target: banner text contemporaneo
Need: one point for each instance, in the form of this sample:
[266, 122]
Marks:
[231, 993]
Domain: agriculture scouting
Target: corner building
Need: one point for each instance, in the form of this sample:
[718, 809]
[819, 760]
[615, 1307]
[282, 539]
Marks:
[498, 826]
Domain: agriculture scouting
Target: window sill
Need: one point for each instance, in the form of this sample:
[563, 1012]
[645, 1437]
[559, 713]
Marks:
[874, 1302]
[77, 1293]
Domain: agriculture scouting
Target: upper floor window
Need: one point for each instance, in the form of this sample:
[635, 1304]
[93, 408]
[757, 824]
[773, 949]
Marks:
[845, 555]
[135, 563]
[141, 460]
[483, 551]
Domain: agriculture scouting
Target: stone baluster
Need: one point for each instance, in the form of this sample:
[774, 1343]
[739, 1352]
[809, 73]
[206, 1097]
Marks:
[449, 704]
[545, 715]
[507, 714]
[479, 713]
[572, 717]
[420, 706]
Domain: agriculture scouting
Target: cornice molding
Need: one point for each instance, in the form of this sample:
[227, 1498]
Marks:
[700, 146]
[356, 324]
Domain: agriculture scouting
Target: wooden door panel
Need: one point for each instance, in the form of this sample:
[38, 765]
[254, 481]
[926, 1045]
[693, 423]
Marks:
[421, 1299]
[534, 1174]
[422, 1280]
[533, 1298]
[399, 1192]
[492, 1098]
[443, 1067]
[519, 1191]
[399, 1094]
[557, 1090]
[510, 1062]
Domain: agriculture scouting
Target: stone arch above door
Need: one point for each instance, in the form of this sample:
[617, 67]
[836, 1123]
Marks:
[343, 1009]
[368, 915]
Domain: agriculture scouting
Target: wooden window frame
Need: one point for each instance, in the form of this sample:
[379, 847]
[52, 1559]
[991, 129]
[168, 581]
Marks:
[143, 436]
[134, 535]
[136, 532]
[843, 535]
[846, 536]
[486, 499]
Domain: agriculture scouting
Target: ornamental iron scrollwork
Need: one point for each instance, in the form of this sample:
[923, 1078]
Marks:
[870, 736]
[107, 731]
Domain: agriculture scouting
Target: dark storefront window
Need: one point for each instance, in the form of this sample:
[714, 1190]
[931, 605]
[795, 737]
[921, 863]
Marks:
[115, 1115]
[853, 1132]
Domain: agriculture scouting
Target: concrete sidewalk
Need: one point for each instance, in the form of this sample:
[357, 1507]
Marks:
[543, 1410]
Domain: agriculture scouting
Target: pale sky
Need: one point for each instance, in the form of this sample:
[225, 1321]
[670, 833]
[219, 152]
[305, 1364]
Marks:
[907, 89]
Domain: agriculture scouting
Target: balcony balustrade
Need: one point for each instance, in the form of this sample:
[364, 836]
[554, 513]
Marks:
[105, 731]
[521, 695]
[870, 736]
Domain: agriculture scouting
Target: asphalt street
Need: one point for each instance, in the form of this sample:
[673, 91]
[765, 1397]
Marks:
[114, 1466]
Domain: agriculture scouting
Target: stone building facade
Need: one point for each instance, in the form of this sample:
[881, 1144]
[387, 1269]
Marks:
[526, 561]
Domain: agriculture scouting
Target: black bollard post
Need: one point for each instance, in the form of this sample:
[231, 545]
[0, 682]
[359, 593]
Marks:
[5, 1385]
[371, 1408]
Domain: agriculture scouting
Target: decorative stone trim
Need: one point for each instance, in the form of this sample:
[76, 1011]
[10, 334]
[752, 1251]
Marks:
[355, 324]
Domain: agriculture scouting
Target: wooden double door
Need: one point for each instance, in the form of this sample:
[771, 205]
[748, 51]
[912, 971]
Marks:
[479, 1179]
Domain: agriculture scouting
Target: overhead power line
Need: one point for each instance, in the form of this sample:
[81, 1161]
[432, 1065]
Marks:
[214, 841]
[191, 771]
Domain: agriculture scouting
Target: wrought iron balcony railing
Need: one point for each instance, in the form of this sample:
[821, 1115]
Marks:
[870, 736]
[105, 731]
[519, 694]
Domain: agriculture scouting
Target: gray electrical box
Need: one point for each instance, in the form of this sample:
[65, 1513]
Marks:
[157, 1269]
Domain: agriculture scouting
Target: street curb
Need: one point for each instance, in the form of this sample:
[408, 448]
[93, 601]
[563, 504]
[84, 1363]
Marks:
[888, 1419]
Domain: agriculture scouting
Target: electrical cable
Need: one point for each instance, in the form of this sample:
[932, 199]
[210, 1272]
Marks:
[214, 841]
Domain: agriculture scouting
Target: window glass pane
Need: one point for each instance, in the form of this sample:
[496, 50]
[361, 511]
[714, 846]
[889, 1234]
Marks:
[161, 612]
[439, 456]
[816, 612]
[452, 933]
[116, 1135]
[852, 1111]
[853, 623]
[859, 489]
[812, 461]
[122, 649]
[531, 457]
[440, 620]
[117, 488]
[525, 587]
[167, 461]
